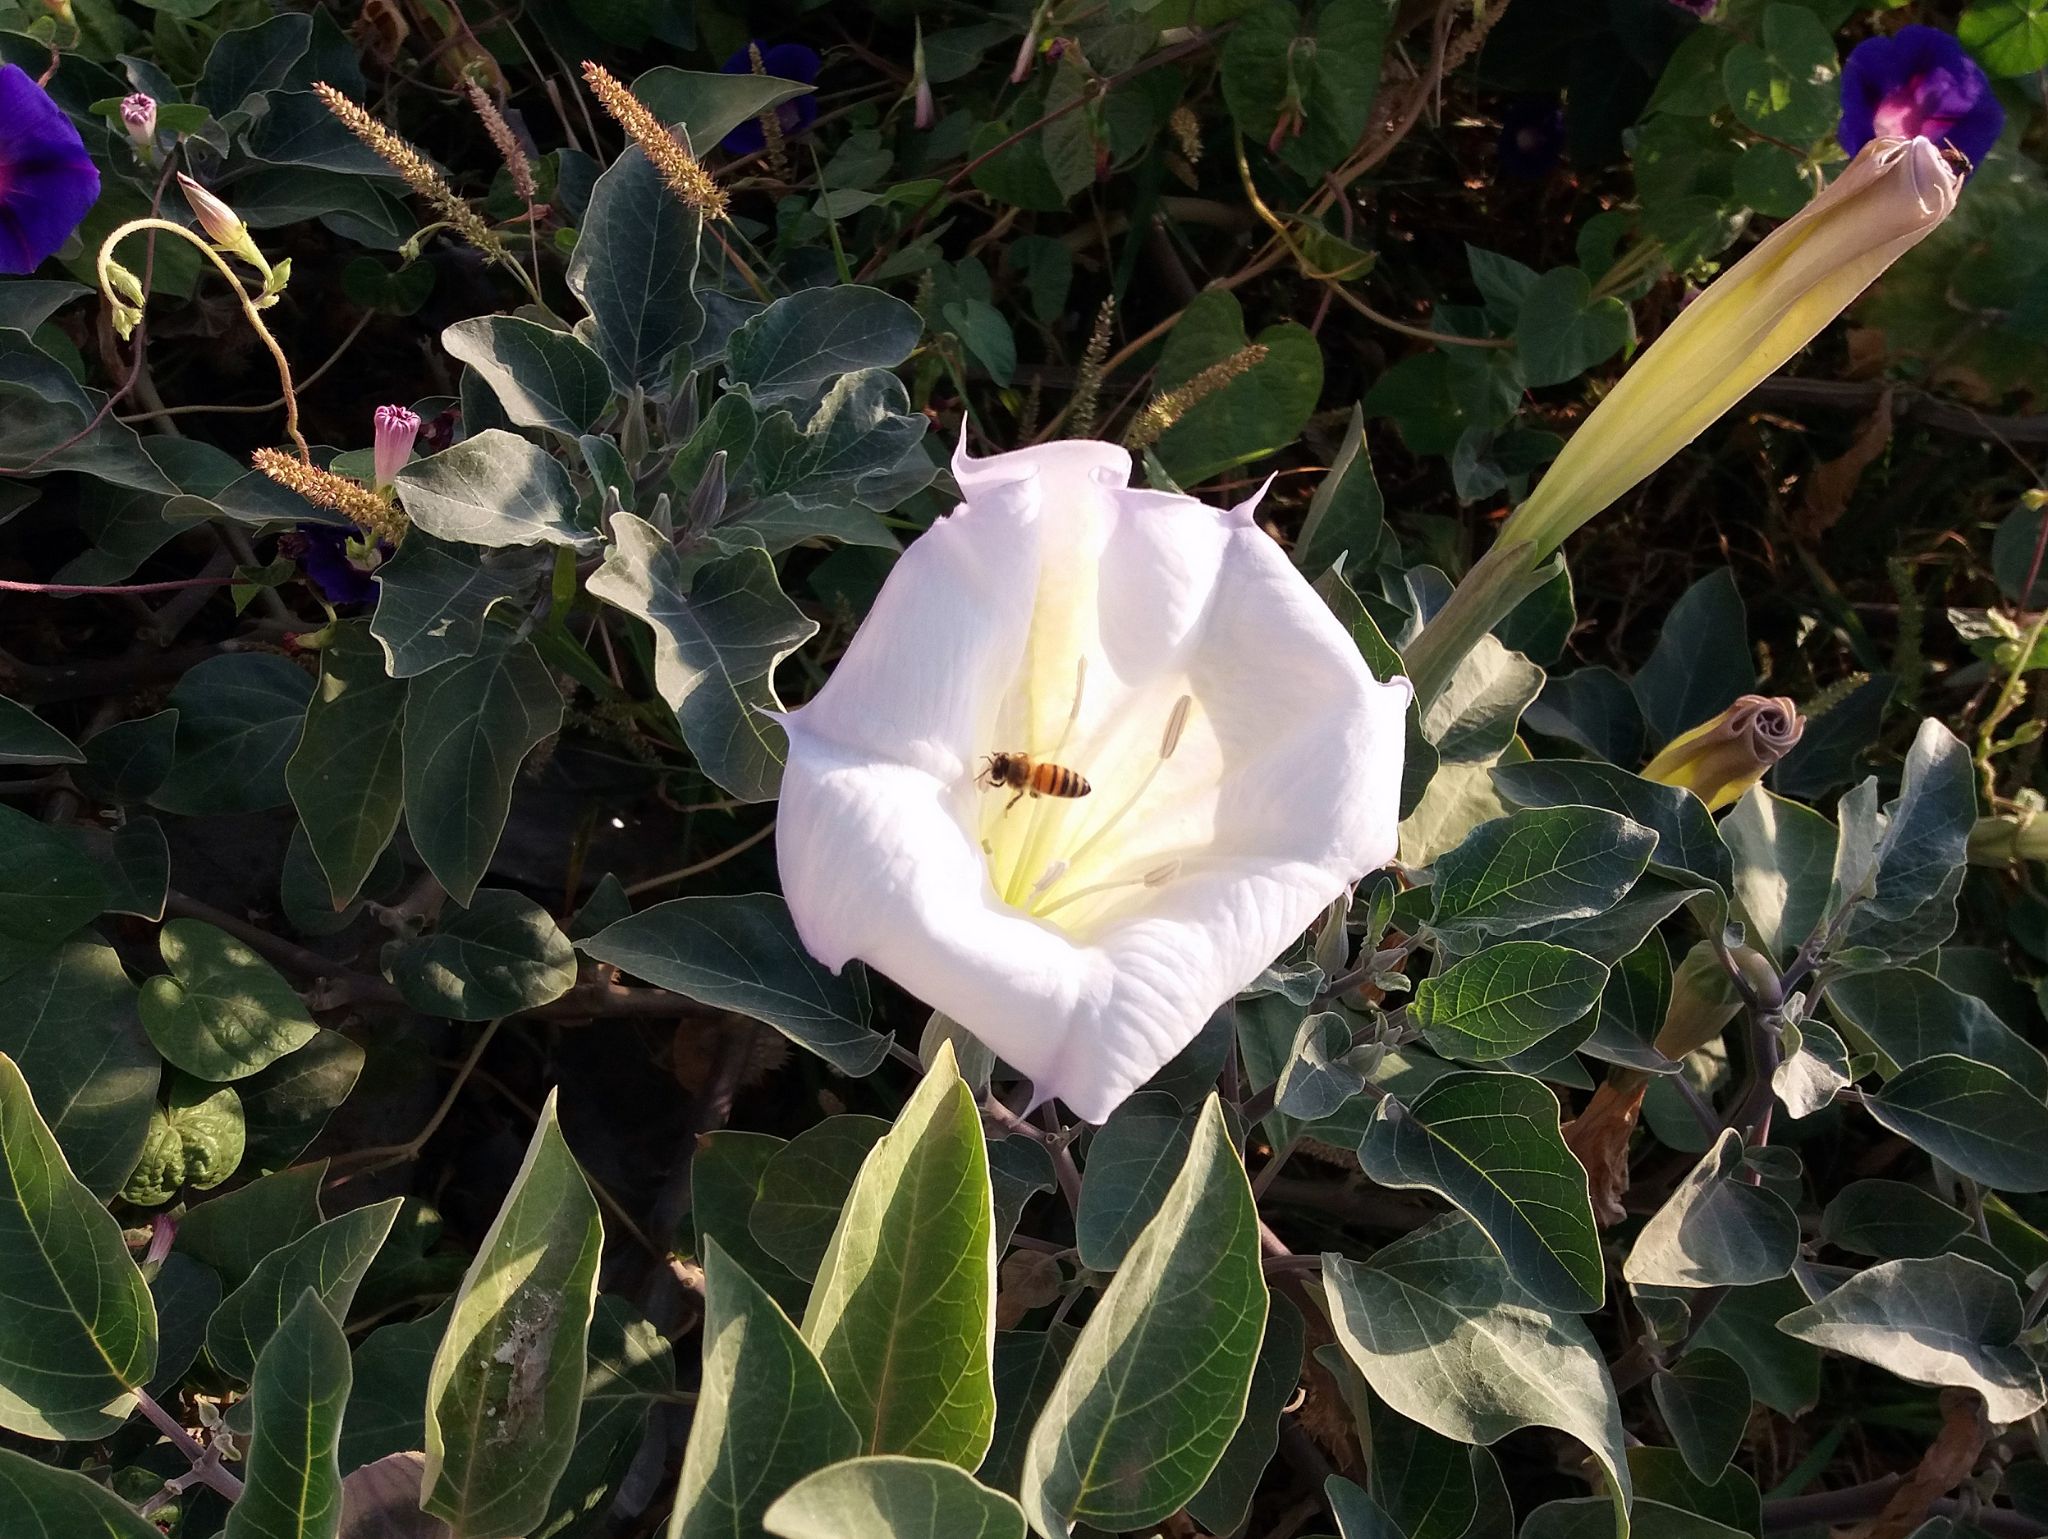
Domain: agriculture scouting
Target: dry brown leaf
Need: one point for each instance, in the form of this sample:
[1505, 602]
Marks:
[1946, 1464]
[1599, 1137]
[1833, 482]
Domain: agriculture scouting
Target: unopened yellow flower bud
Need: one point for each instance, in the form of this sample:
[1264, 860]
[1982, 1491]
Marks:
[1742, 328]
[1719, 760]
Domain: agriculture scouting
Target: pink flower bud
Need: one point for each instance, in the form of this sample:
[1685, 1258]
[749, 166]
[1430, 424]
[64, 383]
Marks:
[138, 116]
[396, 429]
[926, 112]
[1719, 760]
[223, 226]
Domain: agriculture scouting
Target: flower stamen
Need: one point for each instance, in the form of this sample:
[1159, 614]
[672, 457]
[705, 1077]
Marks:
[1169, 740]
[1158, 876]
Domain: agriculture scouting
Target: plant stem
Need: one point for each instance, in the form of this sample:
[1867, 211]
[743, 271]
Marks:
[206, 1464]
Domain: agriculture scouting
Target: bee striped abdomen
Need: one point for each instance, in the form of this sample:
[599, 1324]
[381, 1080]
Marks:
[1057, 780]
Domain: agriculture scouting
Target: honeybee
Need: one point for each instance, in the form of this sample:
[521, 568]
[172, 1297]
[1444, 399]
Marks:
[1030, 777]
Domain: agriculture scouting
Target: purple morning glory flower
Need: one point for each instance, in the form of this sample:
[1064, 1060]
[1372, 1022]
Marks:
[323, 554]
[47, 181]
[1918, 83]
[1531, 136]
[785, 61]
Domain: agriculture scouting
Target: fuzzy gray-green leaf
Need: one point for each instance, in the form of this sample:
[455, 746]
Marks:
[506, 1388]
[1490, 1143]
[1155, 1387]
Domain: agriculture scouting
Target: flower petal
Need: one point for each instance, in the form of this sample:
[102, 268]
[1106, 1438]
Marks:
[922, 679]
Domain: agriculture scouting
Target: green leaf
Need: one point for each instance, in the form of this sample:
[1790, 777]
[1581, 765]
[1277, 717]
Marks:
[1909, 1015]
[1504, 999]
[902, 1313]
[2009, 37]
[1785, 1374]
[1563, 330]
[72, 1028]
[286, 1105]
[26, 740]
[1490, 1143]
[469, 725]
[635, 269]
[892, 1497]
[49, 886]
[223, 1012]
[1971, 1116]
[1538, 866]
[1592, 1517]
[1941, 1320]
[1705, 1401]
[239, 717]
[1688, 845]
[1028, 1365]
[1223, 1504]
[1783, 853]
[135, 863]
[1431, 1486]
[1716, 1229]
[1260, 411]
[1907, 905]
[1701, 663]
[1785, 89]
[231, 1234]
[292, 1472]
[129, 760]
[387, 1407]
[493, 489]
[709, 104]
[330, 1259]
[1156, 1385]
[506, 1388]
[434, 596]
[806, 1184]
[742, 954]
[195, 1140]
[718, 634]
[1444, 1333]
[803, 340]
[500, 955]
[1133, 1161]
[1358, 1514]
[766, 1415]
[1889, 1219]
[1320, 1075]
[1346, 517]
[345, 776]
[46, 1502]
[543, 378]
[74, 1311]
[1326, 64]
[1473, 718]
[632, 1368]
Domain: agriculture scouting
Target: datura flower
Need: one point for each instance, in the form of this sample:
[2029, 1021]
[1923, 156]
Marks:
[1720, 759]
[1213, 761]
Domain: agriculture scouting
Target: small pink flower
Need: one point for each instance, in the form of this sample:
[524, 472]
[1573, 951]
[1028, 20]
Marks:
[138, 116]
[396, 429]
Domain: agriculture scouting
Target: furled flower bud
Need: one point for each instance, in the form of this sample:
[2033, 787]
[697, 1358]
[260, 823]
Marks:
[1719, 760]
[396, 429]
[138, 116]
[223, 226]
[1742, 328]
[925, 111]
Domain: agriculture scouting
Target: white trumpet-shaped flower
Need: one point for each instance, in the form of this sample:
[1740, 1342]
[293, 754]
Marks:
[1243, 768]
